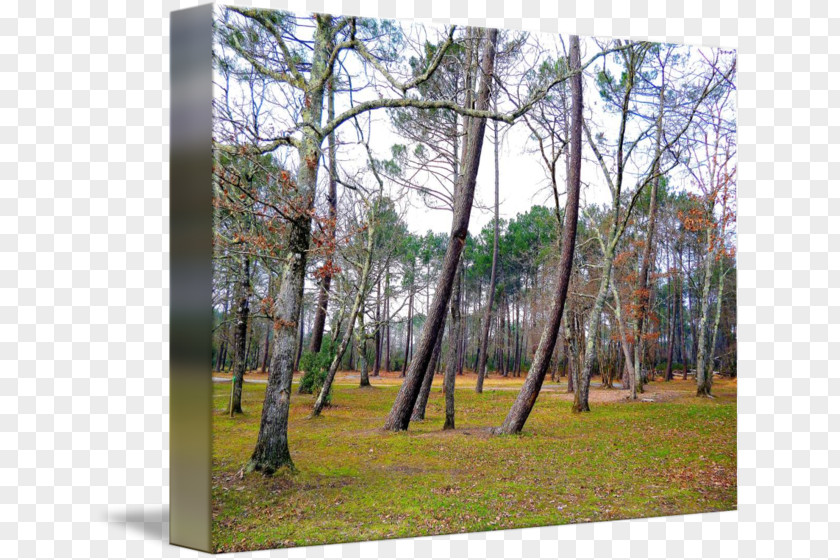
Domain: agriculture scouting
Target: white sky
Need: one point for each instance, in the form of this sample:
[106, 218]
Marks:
[523, 180]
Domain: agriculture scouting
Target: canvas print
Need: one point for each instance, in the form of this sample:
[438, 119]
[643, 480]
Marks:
[466, 279]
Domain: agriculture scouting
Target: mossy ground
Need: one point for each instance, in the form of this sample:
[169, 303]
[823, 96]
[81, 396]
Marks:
[675, 453]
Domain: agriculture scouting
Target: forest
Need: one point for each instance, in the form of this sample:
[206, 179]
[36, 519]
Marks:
[496, 264]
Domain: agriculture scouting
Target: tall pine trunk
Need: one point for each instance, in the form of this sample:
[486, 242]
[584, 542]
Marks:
[419, 412]
[491, 291]
[408, 329]
[400, 414]
[452, 357]
[521, 409]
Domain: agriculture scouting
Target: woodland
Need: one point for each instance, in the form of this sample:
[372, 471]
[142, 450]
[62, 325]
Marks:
[395, 352]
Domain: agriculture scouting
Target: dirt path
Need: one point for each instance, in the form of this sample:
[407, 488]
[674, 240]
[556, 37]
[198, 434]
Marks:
[657, 391]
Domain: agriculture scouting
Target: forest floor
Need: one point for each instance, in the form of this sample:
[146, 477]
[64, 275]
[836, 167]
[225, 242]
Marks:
[667, 453]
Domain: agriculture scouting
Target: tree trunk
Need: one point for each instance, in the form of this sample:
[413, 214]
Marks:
[265, 350]
[299, 351]
[220, 357]
[361, 347]
[419, 412]
[452, 358]
[527, 396]
[491, 291]
[629, 367]
[672, 328]
[517, 362]
[409, 327]
[272, 449]
[643, 289]
[357, 312]
[377, 337]
[387, 321]
[704, 386]
[710, 368]
[332, 198]
[240, 332]
[400, 415]
[571, 355]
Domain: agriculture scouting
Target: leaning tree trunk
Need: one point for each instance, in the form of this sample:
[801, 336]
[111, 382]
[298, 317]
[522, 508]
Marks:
[452, 357]
[491, 291]
[240, 332]
[521, 409]
[358, 303]
[419, 412]
[629, 366]
[400, 415]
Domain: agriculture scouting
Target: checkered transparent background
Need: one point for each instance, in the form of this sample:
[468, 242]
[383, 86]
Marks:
[84, 282]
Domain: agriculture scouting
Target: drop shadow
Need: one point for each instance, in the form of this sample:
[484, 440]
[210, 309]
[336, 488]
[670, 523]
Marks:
[150, 521]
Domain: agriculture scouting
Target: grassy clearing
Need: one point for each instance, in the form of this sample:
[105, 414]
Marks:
[357, 482]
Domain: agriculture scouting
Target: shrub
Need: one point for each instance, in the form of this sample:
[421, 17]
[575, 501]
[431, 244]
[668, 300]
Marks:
[315, 368]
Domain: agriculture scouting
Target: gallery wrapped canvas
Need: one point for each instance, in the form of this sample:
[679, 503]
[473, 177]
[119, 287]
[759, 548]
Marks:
[432, 279]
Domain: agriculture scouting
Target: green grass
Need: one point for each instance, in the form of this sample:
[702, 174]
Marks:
[357, 482]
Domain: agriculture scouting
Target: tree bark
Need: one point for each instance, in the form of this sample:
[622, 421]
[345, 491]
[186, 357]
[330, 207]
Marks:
[240, 332]
[361, 347]
[629, 366]
[377, 337]
[704, 386]
[387, 320]
[299, 350]
[272, 448]
[220, 357]
[265, 347]
[357, 312]
[332, 198]
[521, 409]
[643, 289]
[408, 328]
[491, 291]
[672, 328]
[419, 412]
[400, 415]
[683, 339]
[710, 368]
[452, 358]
